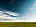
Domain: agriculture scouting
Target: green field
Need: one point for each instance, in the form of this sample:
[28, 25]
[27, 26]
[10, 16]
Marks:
[17, 24]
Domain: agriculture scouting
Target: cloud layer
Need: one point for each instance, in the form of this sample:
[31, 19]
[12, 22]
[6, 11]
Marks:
[9, 15]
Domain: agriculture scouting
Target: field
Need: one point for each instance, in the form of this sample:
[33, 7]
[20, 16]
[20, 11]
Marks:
[17, 24]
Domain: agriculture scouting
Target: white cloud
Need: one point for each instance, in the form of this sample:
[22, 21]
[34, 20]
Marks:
[30, 18]
[12, 19]
[5, 16]
[32, 8]
[8, 17]
[34, 4]
[12, 13]
[1, 12]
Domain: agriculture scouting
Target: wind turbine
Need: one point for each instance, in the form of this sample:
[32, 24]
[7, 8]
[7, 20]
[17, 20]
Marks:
[24, 16]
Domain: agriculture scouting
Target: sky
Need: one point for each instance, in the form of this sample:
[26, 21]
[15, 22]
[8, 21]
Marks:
[30, 14]
[18, 10]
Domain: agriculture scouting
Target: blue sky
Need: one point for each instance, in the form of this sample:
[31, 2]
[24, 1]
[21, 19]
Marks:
[11, 10]
[14, 10]
[30, 14]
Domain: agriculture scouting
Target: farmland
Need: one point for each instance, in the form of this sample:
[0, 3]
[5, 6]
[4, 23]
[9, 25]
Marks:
[17, 24]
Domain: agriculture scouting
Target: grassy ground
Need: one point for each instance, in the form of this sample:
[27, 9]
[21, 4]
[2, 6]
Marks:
[17, 24]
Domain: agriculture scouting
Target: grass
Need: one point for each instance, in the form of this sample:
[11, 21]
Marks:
[17, 24]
